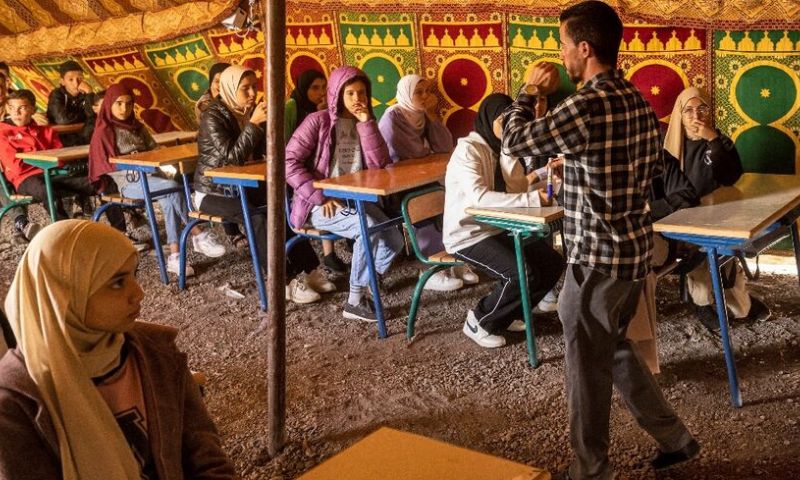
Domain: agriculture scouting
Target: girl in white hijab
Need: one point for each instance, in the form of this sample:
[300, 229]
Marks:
[72, 306]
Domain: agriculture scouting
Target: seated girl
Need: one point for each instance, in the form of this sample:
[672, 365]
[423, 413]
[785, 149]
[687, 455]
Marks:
[413, 128]
[309, 97]
[231, 134]
[340, 140]
[477, 176]
[89, 392]
[118, 132]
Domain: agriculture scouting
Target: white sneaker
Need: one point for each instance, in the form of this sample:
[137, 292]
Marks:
[207, 244]
[516, 326]
[174, 265]
[298, 292]
[442, 282]
[480, 336]
[466, 274]
[549, 303]
[317, 281]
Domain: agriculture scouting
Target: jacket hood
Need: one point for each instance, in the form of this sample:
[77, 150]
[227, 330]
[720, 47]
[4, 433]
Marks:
[336, 83]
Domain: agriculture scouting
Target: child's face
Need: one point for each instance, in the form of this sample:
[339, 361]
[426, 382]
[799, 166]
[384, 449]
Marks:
[122, 108]
[247, 91]
[97, 105]
[115, 306]
[71, 81]
[20, 110]
[354, 97]
[421, 95]
[316, 92]
[214, 87]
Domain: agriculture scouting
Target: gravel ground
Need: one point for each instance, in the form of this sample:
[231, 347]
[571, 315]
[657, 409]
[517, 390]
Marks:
[343, 382]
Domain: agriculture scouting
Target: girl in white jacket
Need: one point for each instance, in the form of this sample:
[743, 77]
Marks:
[478, 177]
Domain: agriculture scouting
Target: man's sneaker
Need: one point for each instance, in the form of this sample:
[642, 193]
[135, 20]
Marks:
[32, 228]
[707, 315]
[334, 264]
[174, 265]
[466, 274]
[473, 330]
[442, 282]
[316, 281]
[759, 312]
[668, 459]
[549, 303]
[298, 292]
[207, 244]
[364, 311]
[516, 326]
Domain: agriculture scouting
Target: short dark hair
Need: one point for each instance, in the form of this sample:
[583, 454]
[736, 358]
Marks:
[23, 95]
[69, 66]
[597, 24]
[4, 67]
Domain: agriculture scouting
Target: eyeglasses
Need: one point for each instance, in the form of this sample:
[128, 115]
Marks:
[700, 111]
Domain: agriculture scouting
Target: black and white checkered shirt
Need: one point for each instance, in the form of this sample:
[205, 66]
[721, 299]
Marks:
[609, 135]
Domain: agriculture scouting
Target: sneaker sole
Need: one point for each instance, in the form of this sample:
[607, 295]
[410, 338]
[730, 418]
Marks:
[304, 302]
[440, 289]
[353, 316]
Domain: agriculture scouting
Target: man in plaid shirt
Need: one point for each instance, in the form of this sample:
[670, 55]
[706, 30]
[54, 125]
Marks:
[610, 138]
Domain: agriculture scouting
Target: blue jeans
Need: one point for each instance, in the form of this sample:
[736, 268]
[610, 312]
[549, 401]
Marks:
[386, 244]
[173, 205]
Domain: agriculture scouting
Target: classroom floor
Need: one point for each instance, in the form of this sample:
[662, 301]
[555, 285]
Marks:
[343, 382]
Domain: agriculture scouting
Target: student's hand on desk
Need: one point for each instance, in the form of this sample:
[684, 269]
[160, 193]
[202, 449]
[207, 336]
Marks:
[329, 207]
[259, 115]
[361, 112]
[703, 130]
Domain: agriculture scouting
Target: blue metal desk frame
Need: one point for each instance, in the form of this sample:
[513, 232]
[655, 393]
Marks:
[720, 246]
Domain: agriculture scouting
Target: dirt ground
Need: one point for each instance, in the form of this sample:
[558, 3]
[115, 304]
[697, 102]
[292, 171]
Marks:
[343, 382]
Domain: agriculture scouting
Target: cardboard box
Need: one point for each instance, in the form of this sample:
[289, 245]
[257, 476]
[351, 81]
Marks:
[389, 454]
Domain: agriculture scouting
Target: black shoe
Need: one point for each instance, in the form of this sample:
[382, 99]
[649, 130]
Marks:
[759, 312]
[666, 460]
[707, 315]
[334, 264]
[364, 311]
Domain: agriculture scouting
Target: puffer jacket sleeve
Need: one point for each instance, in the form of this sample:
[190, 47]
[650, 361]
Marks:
[302, 146]
[373, 146]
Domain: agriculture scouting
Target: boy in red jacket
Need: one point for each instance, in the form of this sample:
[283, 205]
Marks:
[19, 133]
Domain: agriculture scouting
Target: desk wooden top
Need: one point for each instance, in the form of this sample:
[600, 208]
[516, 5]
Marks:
[390, 454]
[740, 211]
[66, 154]
[401, 176]
[160, 157]
[520, 214]
[70, 128]
[251, 171]
[175, 137]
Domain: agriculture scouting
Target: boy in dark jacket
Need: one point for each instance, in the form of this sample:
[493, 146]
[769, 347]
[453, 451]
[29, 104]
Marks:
[67, 104]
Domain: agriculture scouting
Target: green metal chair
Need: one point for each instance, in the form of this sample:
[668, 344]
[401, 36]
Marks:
[418, 207]
[14, 200]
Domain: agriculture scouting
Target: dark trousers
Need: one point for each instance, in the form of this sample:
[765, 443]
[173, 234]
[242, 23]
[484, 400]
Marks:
[495, 257]
[301, 258]
[64, 186]
[595, 310]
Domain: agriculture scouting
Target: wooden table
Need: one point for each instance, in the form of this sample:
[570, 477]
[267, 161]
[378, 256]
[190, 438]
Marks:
[242, 177]
[68, 128]
[521, 223]
[176, 137]
[389, 454]
[372, 184]
[730, 220]
[145, 163]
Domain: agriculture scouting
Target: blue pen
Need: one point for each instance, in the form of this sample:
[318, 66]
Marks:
[549, 182]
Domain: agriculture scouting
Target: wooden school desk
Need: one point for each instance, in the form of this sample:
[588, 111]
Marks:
[372, 184]
[521, 223]
[242, 177]
[732, 219]
[143, 163]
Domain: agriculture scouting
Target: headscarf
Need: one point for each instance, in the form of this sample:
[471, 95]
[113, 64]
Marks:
[46, 306]
[228, 84]
[673, 141]
[300, 93]
[405, 93]
[217, 68]
[104, 139]
[491, 108]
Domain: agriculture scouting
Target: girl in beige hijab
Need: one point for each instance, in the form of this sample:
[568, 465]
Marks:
[89, 393]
